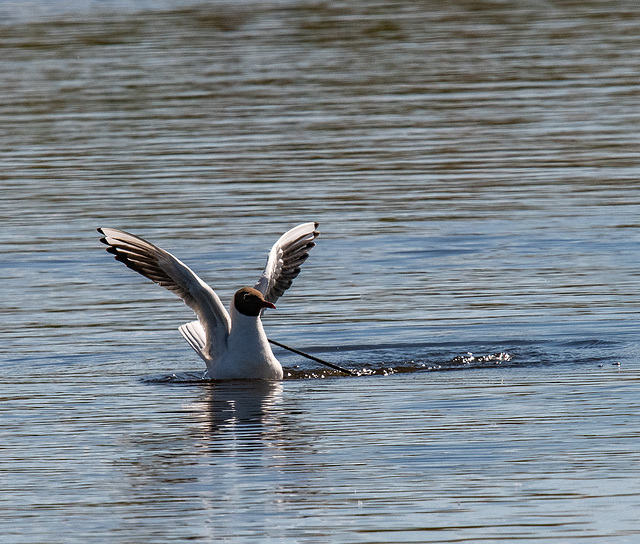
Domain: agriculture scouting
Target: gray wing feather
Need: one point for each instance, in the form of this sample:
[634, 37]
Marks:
[284, 261]
[164, 269]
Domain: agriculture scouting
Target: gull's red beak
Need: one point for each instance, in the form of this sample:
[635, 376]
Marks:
[267, 304]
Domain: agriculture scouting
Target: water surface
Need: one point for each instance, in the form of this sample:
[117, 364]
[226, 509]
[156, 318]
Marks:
[473, 167]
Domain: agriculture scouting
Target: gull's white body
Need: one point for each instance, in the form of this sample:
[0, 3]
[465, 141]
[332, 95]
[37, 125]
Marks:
[246, 352]
[233, 345]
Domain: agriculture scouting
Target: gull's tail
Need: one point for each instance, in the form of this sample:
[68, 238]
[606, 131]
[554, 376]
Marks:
[194, 334]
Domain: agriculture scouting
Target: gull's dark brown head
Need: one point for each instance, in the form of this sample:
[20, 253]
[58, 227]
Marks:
[249, 301]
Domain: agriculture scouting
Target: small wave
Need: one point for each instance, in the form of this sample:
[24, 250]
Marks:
[459, 361]
[179, 378]
[469, 358]
[298, 372]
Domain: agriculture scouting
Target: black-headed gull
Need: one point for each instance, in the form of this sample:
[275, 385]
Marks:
[233, 345]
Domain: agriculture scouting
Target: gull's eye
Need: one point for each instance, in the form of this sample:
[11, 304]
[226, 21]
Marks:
[246, 296]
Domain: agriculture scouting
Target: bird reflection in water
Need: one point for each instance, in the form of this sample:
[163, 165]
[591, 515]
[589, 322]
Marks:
[241, 415]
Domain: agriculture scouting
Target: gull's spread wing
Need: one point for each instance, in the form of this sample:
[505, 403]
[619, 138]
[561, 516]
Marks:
[165, 270]
[285, 259]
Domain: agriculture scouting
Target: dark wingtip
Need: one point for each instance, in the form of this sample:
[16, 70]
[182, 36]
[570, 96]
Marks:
[104, 237]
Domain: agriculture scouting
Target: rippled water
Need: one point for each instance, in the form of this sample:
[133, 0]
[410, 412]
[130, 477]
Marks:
[473, 167]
